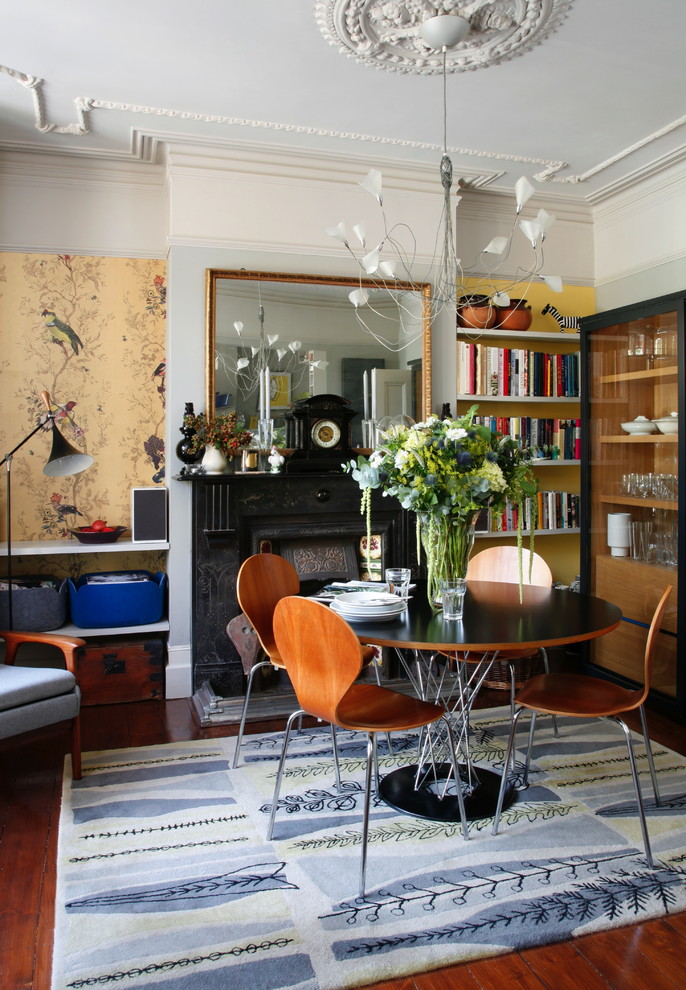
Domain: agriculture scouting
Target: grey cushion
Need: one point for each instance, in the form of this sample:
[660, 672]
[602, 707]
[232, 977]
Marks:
[23, 685]
[25, 718]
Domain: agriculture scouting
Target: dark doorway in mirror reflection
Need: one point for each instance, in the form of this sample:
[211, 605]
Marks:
[352, 377]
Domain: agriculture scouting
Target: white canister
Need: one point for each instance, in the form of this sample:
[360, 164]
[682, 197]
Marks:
[619, 533]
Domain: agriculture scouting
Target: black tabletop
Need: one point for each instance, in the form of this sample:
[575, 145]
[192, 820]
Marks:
[494, 619]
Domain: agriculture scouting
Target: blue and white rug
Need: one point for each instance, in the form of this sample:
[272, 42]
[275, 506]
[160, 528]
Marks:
[165, 879]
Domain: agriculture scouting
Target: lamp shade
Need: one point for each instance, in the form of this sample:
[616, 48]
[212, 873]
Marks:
[65, 459]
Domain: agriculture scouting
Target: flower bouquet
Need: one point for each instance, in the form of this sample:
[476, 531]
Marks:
[226, 433]
[447, 471]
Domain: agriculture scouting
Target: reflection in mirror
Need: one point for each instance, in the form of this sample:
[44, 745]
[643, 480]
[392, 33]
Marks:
[275, 338]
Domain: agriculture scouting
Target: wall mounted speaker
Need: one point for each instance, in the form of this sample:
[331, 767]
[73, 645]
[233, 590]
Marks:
[148, 514]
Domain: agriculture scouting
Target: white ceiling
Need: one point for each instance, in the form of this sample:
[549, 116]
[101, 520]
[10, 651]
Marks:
[600, 102]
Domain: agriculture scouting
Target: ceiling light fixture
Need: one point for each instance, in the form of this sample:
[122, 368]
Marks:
[391, 259]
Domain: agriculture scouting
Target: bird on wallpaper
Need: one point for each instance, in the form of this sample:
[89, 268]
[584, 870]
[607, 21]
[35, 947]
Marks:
[159, 372]
[61, 333]
[64, 412]
[63, 511]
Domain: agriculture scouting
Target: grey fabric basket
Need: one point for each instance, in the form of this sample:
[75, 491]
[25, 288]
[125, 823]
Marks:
[35, 609]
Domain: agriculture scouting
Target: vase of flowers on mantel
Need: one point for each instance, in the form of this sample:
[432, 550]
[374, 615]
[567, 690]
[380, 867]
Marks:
[222, 438]
[447, 471]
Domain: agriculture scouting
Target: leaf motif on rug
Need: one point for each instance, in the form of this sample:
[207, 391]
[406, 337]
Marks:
[182, 896]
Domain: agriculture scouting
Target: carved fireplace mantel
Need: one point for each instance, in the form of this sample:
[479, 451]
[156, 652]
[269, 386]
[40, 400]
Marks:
[233, 516]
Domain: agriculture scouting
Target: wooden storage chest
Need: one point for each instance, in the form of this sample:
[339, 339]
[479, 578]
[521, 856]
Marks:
[113, 670]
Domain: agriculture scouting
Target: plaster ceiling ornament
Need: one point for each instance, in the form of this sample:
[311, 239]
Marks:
[387, 34]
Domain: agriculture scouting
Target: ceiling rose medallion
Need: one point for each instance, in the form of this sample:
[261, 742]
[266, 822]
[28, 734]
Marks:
[386, 33]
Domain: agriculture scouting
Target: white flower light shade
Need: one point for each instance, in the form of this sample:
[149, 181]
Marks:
[358, 297]
[523, 192]
[501, 299]
[360, 233]
[545, 220]
[242, 363]
[238, 327]
[531, 229]
[388, 269]
[281, 353]
[554, 282]
[496, 246]
[295, 345]
[370, 262]
[272, 338]
[338, 233]
[372, 184]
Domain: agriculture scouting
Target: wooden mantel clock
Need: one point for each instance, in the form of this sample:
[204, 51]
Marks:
[319, 430]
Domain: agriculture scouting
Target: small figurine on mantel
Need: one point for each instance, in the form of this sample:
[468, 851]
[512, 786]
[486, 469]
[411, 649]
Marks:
[276, 461]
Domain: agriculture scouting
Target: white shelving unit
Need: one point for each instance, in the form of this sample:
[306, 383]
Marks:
[47, 548]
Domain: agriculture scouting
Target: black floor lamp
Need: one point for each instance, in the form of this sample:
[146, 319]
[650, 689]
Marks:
[64, 460]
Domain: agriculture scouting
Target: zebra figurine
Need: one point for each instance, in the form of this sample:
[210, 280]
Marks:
[564, 322]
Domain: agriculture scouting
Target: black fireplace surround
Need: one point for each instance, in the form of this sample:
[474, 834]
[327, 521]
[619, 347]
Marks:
[234, 515]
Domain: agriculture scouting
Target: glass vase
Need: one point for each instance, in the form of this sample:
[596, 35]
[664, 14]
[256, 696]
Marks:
[447, 543]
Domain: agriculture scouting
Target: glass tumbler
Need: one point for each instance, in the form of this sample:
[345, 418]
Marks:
[398, 580]
[452, 596]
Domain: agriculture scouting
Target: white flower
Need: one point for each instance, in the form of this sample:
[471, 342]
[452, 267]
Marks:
[402, 459]
[456, 433]
[375, 458]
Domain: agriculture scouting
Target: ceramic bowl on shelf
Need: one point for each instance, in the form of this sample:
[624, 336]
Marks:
[668, 424]
[98, 536]
[639, 426]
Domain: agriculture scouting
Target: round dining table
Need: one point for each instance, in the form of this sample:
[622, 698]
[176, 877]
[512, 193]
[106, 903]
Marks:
[494, 619]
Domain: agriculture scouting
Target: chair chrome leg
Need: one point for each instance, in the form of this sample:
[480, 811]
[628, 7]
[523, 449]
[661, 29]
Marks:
[377, 675]
[649, 754]
[503, 779]
[246, 702]
[279, 773]
[365, 813]
[529, 747]
[637, 788]
[546, 668]
[334, 746]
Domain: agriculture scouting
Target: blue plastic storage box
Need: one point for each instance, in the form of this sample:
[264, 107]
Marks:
[117, 598]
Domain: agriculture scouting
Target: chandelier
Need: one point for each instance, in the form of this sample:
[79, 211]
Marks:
[454, 283]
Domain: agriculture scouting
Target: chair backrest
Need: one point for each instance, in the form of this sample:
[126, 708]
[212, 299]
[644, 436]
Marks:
[320, 651]
[651, 642]
[502, 564]
[263, 580]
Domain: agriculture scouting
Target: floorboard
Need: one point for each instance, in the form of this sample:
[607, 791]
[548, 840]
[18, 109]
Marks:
[651, 954]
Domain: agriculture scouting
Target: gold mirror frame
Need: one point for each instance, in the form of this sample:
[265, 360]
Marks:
[215, 275]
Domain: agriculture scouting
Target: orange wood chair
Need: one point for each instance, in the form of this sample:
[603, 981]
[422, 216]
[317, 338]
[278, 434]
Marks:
[33, 697]
[583, 696]
[323, 658]
[263, 580]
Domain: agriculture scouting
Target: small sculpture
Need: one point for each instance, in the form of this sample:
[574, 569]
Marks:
[276, 460]
[564, 322]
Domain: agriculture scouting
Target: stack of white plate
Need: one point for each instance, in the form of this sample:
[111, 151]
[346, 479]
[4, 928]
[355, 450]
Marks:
[378, 606]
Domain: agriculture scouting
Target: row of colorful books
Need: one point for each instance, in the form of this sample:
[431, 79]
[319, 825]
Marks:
[553, 511]
[545, 437]
[486, 370]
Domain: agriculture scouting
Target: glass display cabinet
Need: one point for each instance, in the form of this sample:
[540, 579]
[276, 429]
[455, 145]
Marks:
[633, 486]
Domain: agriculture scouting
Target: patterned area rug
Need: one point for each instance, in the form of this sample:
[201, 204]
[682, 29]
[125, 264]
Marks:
[165, 879]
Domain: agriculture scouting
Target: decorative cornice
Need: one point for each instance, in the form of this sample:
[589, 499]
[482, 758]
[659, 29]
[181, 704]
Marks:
[148, 149]
[386, 33]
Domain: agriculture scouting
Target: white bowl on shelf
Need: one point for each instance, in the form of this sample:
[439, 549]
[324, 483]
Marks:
[668, 424]
[639, 426]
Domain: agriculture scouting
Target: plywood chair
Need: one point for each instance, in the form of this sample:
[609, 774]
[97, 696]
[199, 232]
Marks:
[583, 696]
[263, 580]
[323, 658]
[33, 697]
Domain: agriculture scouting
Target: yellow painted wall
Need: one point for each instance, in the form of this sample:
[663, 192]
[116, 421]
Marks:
[561, 552]
[105, 374]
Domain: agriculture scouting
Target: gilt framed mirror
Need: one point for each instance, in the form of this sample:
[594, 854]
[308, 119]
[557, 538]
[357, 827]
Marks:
[313, 340]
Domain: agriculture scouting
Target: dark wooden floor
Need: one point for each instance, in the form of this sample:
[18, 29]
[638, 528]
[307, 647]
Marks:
[650, 955]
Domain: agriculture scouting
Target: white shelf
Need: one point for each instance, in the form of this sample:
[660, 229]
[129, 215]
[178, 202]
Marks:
[504, 534]
[42, 548]
[69, 629]
[477, 335]
[567, 399]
